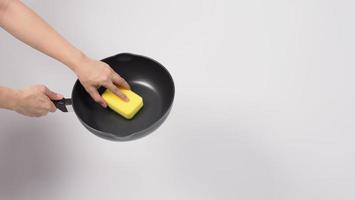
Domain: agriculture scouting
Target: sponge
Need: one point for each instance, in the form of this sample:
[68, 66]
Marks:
[126, 109]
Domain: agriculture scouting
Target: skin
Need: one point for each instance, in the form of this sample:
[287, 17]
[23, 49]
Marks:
[24, 24]
[34, 101]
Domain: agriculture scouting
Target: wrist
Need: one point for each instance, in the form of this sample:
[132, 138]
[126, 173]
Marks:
[9, 98]
[76, 61]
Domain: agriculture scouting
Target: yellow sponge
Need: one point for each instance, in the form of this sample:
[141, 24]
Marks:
[126, 109]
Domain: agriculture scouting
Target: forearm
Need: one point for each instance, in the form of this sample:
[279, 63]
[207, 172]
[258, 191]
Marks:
[8, 98]
[20, 21]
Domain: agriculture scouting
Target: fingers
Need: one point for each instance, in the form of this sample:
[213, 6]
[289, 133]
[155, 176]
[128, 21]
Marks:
[44, 110]
[97, 97]
[118, 80]
[116, 91]
[52, 95]
[48, 105]
[51, 107]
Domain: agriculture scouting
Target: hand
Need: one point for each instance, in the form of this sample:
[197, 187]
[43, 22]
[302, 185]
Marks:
[35, 101]
[24, 24]
[93, 74]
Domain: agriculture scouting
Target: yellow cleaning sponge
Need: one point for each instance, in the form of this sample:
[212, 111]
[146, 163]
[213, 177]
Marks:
[126, 109]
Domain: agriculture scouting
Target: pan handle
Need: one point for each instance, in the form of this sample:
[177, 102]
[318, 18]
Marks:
[65, 104]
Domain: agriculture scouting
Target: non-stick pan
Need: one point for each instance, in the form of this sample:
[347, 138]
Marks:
[147, 78]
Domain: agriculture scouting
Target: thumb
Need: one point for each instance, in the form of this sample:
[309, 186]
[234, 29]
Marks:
[53, 95]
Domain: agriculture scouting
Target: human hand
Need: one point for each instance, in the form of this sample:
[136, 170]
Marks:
[35, 101]
[92, 74]
[24, 24]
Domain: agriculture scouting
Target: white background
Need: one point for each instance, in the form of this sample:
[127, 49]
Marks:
[264, 104]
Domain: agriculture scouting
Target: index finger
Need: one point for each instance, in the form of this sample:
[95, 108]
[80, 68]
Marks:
[116, 91]
[118, 80]
[53, 95]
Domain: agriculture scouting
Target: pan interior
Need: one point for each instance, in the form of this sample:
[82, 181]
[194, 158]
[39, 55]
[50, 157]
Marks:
[147, 78]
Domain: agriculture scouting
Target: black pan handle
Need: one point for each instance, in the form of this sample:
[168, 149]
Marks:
[65, 105]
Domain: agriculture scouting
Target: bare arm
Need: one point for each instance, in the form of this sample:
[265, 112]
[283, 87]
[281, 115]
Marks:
[20, 21]
[27, 26]
[34, 101]
[8, 98]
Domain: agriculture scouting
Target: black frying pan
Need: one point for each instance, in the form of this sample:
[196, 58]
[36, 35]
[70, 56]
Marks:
[147, 78]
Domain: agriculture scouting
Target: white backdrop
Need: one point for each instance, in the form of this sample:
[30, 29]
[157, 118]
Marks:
[264, 104]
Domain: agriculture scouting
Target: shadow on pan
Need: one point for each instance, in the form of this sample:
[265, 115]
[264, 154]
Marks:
[148, 78]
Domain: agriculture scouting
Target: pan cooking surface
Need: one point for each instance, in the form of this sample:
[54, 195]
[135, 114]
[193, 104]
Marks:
[147, 78]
